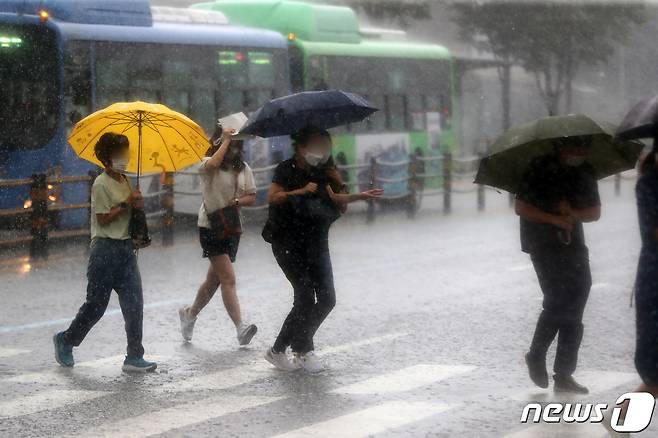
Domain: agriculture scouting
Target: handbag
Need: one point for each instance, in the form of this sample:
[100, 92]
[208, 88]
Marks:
[137, 227]
[226, 222]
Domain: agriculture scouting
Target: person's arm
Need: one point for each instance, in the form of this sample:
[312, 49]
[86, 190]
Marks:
[533, 214]
[114, 214]
[585, 206]
[246, 200]
[218, 157]
[248, 192]
[277, 194]
[589, 214]
[134, 200]
[348, 198]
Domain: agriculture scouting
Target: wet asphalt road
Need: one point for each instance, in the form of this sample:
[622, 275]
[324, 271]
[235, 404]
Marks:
[427, 339]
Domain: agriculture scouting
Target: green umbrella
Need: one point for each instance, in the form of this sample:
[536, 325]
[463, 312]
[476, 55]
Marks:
[515, 149]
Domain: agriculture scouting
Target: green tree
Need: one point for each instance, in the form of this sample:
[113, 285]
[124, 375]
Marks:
[551, 40]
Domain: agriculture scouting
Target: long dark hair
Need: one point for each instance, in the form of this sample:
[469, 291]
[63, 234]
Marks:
[236, 161]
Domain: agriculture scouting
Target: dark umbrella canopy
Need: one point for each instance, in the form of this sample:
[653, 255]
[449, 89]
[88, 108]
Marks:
[515, 149]
[321, 109]
[641, 121]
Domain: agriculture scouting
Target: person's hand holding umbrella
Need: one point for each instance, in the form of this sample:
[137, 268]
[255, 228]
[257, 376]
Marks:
[160, 140]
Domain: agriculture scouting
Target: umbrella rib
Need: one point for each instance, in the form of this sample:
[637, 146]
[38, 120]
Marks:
[181, 135]
[115, 122]
[164, 142]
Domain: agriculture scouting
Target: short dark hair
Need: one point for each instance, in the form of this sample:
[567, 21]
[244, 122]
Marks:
[303, 136]
[108, 144]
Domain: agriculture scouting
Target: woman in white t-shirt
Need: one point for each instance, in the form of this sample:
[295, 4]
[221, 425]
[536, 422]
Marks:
[226, 180]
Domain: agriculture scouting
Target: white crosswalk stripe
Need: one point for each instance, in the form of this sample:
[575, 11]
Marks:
[561, 430]
[370, 421]
[55, 392]
[243, 374]
[596, 381]
[182, 415]
[9, 352]
[45, 400]
[97, 368]
[405, 379]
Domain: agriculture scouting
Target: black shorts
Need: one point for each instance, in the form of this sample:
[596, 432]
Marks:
[212, 246]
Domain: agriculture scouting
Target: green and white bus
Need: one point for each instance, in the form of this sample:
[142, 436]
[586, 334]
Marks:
[411, 83]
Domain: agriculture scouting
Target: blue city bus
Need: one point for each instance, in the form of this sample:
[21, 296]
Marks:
[63, 59]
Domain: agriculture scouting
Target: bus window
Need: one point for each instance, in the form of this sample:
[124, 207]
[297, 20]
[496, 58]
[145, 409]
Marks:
[261, 69]
[233, 70]
[202, 109]
[145, 74]
[395, 111]
[77, 82]
[257, 98]
[296, 69]
[111, 75]
[28, 101]
[377, 121]
[416, 112]
[231, 101]
[176, 75]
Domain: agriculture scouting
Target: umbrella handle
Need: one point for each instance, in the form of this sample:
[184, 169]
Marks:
[564, 236]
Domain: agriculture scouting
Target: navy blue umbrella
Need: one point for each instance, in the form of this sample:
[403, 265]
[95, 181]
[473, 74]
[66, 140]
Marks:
[321, 109]
[641, 121]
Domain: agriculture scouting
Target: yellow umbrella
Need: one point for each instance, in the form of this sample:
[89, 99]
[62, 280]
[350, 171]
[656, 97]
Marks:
[161, 140]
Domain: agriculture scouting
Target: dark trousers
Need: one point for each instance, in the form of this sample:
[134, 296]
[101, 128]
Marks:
[565, 280]
[308, 268]
[112, 265]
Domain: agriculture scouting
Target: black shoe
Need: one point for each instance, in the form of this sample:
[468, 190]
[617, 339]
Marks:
[568, 384]
[537, 370]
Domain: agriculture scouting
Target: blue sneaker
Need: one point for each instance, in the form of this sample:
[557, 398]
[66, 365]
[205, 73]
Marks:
[63, 352]
[138, 365]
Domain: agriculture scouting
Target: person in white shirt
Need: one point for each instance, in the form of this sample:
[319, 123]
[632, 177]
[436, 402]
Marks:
[226, 181]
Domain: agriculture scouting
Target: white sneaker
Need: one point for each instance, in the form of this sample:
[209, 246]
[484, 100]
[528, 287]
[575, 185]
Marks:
[280, 361]
[246, 333]
[308, 361]
[186, 323]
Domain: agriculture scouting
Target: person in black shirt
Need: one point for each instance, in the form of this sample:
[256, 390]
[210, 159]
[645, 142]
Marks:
[306, 196]
[557, 194]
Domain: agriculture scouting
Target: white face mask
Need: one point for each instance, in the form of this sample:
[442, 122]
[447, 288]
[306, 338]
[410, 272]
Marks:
[314, 159]
[120, 164]
[575, 160]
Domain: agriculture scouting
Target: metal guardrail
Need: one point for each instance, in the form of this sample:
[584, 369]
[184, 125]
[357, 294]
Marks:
[452, 171]
[39, 207]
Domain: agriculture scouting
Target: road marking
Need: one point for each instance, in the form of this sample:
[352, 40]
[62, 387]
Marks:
[370, 421]
[363, 343]
[561, 430]
[45, 400]
[182, 415]
[222, 379]
[519, 268]
[8, 352]
[61, 321]
[405, 379]
[240, 375]
[599, 286]
[596, 381]
[97, 368]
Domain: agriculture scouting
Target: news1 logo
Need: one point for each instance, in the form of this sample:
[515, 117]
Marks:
[638, 415]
